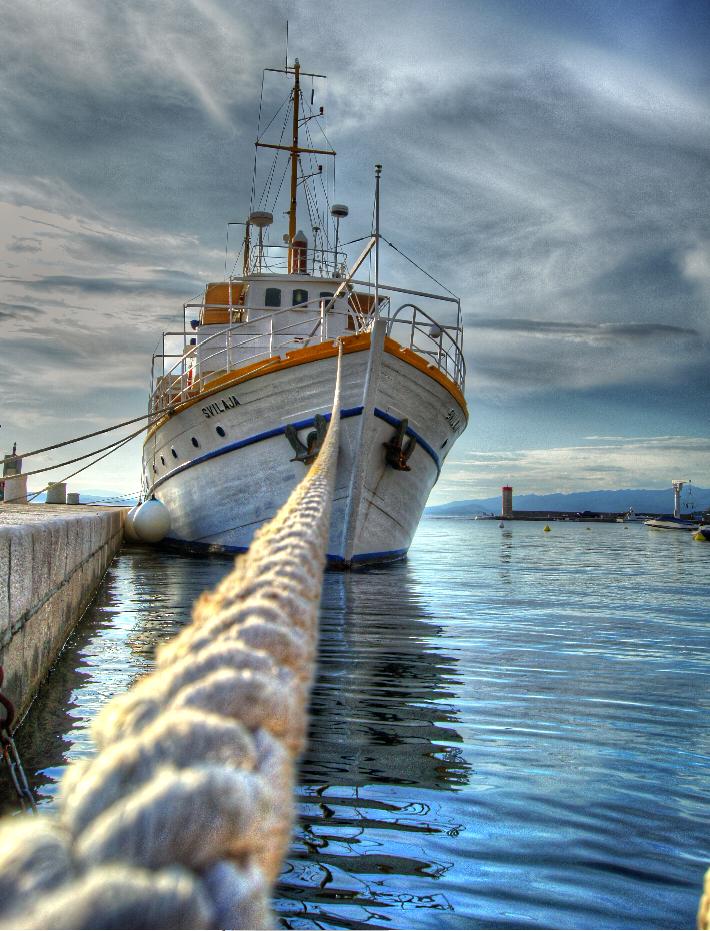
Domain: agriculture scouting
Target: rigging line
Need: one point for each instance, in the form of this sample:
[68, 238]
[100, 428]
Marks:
[436, 280]
[308, 194]
[99, 458]
[258, 131]
[66, 478]
[88, 436]
[309, 137]
[321, 218]
[238, 256]
[93, 452]
[281, 182]
[261, 135]
[267, 184]
[352, 242]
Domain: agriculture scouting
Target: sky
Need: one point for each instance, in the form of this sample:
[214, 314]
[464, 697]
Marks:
[549, 161]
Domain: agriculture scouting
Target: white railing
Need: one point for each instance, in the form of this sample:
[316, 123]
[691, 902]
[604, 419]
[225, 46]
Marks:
[241, 344]
[258, 333]
[267, 259]
[439, 344]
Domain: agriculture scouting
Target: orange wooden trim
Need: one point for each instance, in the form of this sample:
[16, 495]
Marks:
[356, 343]
[407, 355]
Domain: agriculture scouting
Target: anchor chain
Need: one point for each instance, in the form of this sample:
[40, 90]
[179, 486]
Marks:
[11, 755]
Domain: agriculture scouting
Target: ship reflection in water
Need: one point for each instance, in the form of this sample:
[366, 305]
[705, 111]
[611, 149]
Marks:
[506, 731]
[382, 749]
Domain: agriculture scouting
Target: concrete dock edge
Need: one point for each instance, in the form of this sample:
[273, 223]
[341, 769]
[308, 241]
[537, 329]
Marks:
[52, 559]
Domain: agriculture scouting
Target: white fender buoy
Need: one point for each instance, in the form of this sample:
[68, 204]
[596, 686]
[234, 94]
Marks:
[129, 531]
[152, 521]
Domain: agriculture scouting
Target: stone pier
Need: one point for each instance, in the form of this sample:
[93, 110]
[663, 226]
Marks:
[52, 559]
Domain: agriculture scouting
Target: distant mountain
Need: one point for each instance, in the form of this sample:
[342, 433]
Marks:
[642, 500]
[94, 496]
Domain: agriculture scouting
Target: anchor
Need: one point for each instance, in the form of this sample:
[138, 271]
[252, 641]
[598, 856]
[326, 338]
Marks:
[307, 452]
[396, 455]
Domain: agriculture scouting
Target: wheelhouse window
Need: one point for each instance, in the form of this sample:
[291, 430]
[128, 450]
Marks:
[326, 294]
[272, 297]
[300, 296]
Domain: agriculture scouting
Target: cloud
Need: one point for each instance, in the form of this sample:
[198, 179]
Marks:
[624, 463]
[177, 283]
[537, 163]
[24, 244]
[583, 332]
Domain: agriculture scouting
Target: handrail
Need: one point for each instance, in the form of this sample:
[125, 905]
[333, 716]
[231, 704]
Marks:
[441, 344]
[192, 359]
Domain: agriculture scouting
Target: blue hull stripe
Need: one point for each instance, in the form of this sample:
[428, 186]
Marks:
[249, 441]
[298, 425]
[333, 561]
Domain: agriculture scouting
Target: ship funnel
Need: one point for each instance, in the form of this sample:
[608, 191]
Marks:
[299, 264]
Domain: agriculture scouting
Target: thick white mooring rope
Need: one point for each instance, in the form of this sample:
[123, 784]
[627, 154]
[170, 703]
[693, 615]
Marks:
[183, 817]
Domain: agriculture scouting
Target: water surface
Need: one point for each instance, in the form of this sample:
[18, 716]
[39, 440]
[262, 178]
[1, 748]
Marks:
[509, 730]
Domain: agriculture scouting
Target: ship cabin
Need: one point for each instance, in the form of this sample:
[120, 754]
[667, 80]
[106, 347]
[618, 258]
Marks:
[295, 294]
[242, 321]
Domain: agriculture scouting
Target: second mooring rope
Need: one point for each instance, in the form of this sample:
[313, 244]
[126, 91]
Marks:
[184, 816]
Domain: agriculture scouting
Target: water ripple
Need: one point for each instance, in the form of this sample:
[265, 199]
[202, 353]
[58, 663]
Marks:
[508, 731]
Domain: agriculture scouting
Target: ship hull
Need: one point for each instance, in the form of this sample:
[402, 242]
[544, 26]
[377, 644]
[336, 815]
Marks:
[234, 466]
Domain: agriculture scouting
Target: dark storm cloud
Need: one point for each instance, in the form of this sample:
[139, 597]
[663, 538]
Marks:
[24, 244]
[549, 162]
[9, 311]
[584, 331]
[176, 284]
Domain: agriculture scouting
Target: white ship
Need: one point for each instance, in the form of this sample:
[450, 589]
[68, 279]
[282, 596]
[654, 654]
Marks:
[241, 394]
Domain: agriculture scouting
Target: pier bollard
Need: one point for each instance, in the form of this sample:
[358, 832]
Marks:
[11, 465]
[73, 497]
[15, 489]
[56, 493]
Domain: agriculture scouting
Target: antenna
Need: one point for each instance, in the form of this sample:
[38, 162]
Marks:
[286, 65]
[378, 172]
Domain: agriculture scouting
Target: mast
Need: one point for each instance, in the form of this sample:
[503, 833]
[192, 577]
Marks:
[378, 172]
[294, 150]
[294, 164]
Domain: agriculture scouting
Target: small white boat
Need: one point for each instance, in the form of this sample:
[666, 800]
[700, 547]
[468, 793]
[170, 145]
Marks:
[242, 390]
[631, 517]
[677, 521]
[671, 523]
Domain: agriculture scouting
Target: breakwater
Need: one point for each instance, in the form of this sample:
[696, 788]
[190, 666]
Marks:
[52, 559]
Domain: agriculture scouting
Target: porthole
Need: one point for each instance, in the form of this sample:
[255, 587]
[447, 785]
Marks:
[162, 459]
[221, 431]
[195, 443]
[155, 469]
[175, 455]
